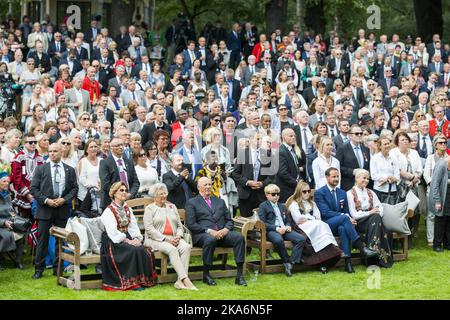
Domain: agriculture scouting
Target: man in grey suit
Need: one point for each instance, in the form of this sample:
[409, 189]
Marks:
[320, 115]
[211, 225]
[408, 67]
[136, 125]
[76, 98]
[136, 51]
[248, 71]
[116, 82]
[132, 94]
[54, 186]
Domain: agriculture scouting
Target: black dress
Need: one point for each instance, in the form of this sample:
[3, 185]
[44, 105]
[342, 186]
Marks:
[125, 267]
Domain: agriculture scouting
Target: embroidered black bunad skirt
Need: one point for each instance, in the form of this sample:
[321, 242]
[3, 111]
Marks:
[126, 267]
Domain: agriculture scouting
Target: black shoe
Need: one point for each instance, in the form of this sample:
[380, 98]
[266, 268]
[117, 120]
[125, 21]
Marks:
[209, 280]
[348, 266]
[324, 270]
[438, 249]
[288, 268]
[447, 247]
[37, 275]
[368, 253]
[268, 255]
[240, 281]
[19, 265]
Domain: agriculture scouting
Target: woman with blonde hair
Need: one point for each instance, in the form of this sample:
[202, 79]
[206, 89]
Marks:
[324, 160]
[43, 142]
[366, 209]
[321, 248]
[213, 138]
[68, 156]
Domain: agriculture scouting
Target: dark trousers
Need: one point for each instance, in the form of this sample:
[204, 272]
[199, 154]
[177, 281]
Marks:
[246, 206]
[442, 231]
[233, 240]
[235, 59]
[297, 240]
[42, 244]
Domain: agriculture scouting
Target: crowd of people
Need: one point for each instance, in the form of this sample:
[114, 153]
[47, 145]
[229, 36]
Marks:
[315, 133]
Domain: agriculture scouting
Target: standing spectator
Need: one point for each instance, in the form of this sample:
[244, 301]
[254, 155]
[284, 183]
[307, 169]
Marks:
[54, 186]
[351, 156]
[324, 160]
[22, 172]
[37, 35]
[146, 174]
[115, 168]
[91, 85]
[88, 174]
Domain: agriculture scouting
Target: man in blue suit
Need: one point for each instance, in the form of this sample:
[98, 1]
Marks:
[278, 228]
[190, 54]
[333, 205]
[235, 45]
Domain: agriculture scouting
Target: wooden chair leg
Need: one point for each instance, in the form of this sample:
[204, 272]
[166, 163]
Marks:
[224, 261]
[77, 277]
[58, 275]
[164, 266]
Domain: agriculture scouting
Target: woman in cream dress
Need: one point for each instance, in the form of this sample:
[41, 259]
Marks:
[164, 232]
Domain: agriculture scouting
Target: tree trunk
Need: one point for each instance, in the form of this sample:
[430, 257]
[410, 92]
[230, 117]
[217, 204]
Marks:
[276, 15]
[122, 14]
[190, 17]
[429, 18]
[315, 17]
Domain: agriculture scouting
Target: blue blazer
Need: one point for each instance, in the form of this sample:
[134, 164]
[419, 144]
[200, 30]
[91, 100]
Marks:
[267, 214]
[230, 105]
[327, 205]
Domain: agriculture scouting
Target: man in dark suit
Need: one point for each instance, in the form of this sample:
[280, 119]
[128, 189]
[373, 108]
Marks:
[251, 175]
[353, 155]
[326, 80]
[388, 81]
[55, 49]
[342, 138]
[180, 185]
[338, 67]
[357, 93]
[333, 206]
[72, 62]
[235, 89]
[41, 59]
[266, 63]
[310, 93]
[149, 129]
[92, 32]
[278, 228]
[81, 53]
[115, 168]
[423, 103]
[292, 167]
[211, 226]
[190, 54]
[54, 186]
[235, 45]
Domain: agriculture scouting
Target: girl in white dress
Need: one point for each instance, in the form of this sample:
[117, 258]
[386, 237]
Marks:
[324, 161]
[306, 220]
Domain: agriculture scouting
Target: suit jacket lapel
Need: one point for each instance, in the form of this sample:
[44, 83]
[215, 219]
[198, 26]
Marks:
[203, 203]
[48, 170]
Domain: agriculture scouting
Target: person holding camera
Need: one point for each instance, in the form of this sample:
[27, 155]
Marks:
[180, 185]
[9, 240]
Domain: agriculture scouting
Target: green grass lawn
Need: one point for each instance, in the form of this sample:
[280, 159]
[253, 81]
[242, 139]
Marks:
[425, 275]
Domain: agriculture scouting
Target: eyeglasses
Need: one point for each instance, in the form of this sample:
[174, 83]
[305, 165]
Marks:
[357, 133]
[66, 143]
[32, 142]
[265, 100]
[84, 118]
[283, 109]
[275, 194]
[123, 190]
[420, 116]
[306, 191]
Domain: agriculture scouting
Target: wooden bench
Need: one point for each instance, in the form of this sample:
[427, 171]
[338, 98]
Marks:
[257, 238]
[166, 273]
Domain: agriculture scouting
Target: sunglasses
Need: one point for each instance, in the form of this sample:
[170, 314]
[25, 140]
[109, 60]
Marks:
[442, 142]
[142, 155]
[275, 194]
[378, 100]
[266, 100]
[357, 133]
[32, 142]
[66, 143]
[283, 109]
[306, 191]
[123, 190]
[84, 118]
[216, 120]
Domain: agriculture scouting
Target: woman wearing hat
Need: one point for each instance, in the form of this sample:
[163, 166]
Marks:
[9, 240]
[126, 263]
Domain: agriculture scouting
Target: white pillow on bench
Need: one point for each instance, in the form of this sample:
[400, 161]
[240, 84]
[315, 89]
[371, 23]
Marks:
[73, 225]
[95, 229]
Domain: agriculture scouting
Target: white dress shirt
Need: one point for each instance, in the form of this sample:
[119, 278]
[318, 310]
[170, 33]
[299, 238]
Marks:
[320, 165]
[381, 168]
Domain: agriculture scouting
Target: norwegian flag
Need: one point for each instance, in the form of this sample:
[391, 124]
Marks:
[33, 235]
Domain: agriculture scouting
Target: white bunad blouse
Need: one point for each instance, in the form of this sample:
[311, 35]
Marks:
[381, 168]
[318, 232]
[364, 200]
[402, 160]
[110, 223]
[320, 165]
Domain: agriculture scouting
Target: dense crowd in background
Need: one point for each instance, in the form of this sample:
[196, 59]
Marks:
[246, 109]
